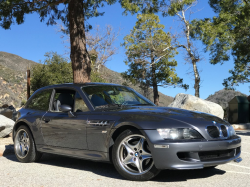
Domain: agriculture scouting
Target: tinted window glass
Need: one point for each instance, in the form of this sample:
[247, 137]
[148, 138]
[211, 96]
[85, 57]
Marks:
[63, 97]
[80, 105]
[40, 101]
[105, 95]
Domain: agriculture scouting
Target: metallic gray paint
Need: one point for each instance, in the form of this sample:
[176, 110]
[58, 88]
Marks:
[167, 158]
[62, 131]
[59, 134]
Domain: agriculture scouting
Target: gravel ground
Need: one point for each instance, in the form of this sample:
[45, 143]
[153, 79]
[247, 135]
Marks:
[6, 141]
[62, 171]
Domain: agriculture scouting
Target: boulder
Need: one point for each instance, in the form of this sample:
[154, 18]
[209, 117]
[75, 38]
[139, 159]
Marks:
[6, 126]
[9, 112]
[190, 102]
[5, 106]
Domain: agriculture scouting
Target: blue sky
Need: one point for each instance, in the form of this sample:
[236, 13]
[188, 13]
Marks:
[32, 39]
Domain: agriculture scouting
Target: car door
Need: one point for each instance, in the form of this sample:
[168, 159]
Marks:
[98, 130]
[61, 129]
[99, 122]
[34, 110]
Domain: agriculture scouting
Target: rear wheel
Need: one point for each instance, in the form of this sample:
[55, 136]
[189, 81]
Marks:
[24, 146]
[132, 157]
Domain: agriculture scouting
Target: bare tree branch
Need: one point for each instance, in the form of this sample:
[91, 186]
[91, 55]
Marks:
[100, 44]
[191, 51]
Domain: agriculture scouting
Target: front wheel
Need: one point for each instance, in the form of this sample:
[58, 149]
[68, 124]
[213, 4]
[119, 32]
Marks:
[132, 157]
[24, 146]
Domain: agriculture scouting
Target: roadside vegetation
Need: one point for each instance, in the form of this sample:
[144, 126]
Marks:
[55, 70]
[150, 56]
[150, 50]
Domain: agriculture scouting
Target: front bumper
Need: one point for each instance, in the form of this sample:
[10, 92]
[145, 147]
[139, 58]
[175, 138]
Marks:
[193, 155]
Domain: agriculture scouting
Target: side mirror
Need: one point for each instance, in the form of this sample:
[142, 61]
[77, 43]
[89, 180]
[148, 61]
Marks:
[65, 108]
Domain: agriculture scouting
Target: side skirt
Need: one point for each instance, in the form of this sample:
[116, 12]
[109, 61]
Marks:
[76, 153]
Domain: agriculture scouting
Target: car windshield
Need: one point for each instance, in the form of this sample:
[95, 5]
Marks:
[114, 95]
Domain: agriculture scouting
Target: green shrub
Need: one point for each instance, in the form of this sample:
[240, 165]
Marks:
[55, 70]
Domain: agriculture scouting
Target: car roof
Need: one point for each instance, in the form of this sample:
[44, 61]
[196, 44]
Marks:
[73, 85]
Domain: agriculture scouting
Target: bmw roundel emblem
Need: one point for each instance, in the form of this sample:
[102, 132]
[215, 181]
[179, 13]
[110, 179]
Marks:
[214, 122]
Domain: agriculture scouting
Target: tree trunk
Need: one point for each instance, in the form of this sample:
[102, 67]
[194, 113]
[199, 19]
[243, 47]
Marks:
[197, 80]
[155, 87]
[28, 84]
[79, 56]
[192, 57]
[98, 66]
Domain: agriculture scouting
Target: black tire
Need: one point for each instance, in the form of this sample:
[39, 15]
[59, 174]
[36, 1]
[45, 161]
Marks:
[30, 155]
[148, 174]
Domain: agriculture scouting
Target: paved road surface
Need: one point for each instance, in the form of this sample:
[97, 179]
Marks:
[63, 171]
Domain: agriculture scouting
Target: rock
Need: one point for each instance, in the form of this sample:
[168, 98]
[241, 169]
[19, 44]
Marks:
[8, 125]
[5, 106]
[9, 112]
[2, 128]
[190, 102]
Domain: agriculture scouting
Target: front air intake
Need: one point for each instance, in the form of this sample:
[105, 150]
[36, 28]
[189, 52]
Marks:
[213, 131]
[224, 130]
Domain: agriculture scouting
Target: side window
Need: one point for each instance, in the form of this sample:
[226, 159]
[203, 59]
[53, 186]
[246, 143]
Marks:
[40, 101]
[63, 97]
[80, 105]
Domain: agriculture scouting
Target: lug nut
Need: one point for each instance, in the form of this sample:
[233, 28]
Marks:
[140, 157]
[140, 151]
[135, 149]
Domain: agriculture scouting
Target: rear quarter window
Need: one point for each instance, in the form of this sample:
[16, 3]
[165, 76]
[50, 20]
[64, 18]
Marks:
[40, 101]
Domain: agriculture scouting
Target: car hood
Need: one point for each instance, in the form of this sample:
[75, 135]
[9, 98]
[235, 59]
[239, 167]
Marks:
[177, 116]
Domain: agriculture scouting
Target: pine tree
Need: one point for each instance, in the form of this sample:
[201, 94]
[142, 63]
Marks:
[227, 34]
[150, 55]
[73, 13]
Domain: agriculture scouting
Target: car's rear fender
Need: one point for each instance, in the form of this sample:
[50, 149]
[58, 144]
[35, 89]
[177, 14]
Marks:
[32, 119]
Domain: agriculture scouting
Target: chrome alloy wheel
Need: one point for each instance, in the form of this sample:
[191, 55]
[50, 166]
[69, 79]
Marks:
[134, 156]
[22, 143]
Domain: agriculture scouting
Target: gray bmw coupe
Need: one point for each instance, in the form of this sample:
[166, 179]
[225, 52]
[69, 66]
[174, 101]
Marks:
[113, 123]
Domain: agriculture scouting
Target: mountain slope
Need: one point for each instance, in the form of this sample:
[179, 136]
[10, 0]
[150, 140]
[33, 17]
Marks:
[12, 78]
[222, 97]
[15, 62]
[13, 83]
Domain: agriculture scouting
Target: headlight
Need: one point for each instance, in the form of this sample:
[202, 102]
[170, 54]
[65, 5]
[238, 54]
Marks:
[179, 134]
[231, 131]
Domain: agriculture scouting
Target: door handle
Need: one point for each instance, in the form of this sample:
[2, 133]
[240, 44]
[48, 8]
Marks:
[47, 120]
